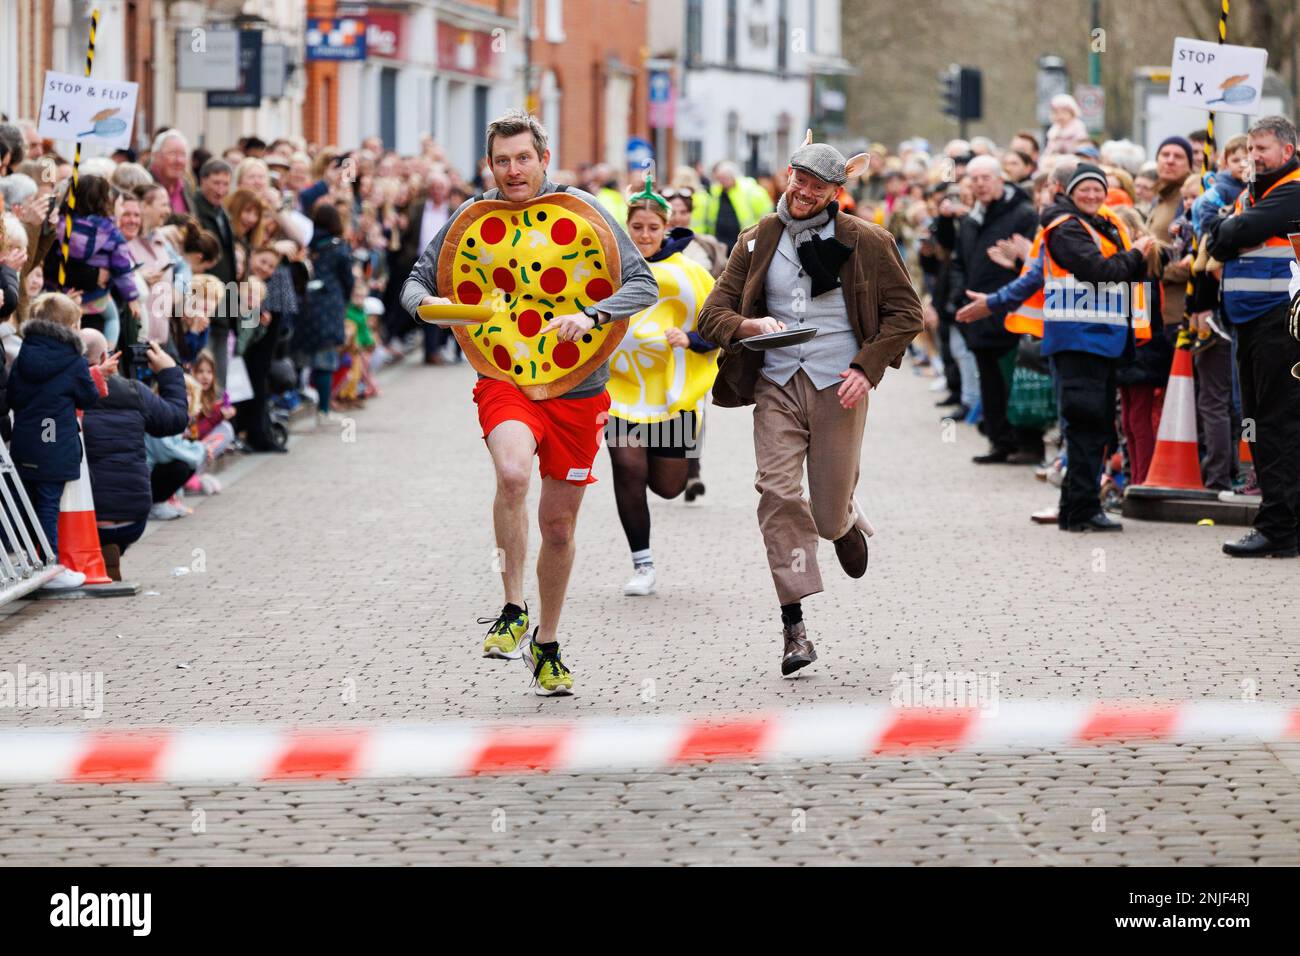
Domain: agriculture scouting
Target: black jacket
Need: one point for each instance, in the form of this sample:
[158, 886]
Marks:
[115, 430]
[9, 289]
[1150, 363]
[1074, 250]
[49, 382]
[214, 220]
[973, 270]
[1270, 217]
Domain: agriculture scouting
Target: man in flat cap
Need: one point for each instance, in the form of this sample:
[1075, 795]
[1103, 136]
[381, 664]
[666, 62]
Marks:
[810, 265]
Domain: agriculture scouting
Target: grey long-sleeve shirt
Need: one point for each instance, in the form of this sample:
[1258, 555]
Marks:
[638, 288]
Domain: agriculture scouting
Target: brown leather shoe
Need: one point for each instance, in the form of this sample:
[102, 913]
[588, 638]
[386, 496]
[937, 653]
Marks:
[851, 549]
[799, 651]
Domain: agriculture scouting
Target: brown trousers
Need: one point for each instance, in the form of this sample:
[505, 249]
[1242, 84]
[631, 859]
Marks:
[794, 425]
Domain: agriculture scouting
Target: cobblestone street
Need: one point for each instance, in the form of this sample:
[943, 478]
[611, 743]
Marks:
[348, 588]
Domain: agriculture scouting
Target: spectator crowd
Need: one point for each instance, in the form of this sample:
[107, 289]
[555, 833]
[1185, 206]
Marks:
[1194, 238]
[202, 298]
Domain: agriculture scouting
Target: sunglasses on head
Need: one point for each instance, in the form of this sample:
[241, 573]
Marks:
[671, 194]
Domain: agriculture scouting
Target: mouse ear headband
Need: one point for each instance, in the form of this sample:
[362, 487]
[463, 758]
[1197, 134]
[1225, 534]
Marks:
[826, 162]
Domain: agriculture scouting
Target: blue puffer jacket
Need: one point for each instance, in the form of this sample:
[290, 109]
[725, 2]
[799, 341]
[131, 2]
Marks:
[49, 382]
[115, 430]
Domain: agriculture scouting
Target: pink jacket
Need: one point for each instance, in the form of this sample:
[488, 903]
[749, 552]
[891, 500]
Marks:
[153, 252]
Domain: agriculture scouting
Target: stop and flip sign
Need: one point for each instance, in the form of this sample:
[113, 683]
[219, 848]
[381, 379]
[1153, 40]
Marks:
[91, 110]
[1214, 76]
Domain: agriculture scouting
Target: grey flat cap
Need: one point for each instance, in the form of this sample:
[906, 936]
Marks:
[825, 162]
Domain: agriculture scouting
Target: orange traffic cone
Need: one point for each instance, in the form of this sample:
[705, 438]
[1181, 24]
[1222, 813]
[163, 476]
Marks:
[78, 534]
[1175, 470]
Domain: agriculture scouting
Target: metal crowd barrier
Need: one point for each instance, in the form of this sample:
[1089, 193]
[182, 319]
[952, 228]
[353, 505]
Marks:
[22, 569]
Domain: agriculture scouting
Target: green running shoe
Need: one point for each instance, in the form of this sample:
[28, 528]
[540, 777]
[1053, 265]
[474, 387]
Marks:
[550, 677]
[505, 635]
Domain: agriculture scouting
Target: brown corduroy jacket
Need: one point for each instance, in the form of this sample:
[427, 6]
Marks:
[883, 308]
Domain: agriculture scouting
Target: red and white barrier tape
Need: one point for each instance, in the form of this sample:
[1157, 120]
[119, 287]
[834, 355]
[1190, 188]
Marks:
[256, 754]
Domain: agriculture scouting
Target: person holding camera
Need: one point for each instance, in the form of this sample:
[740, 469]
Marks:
[114, 431]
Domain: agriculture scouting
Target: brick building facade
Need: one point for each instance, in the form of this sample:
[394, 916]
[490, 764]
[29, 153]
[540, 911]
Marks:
[448, 68]
[588, 63]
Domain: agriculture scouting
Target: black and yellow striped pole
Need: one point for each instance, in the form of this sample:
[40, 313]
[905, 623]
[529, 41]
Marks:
[1209, 126]
[1185, 336]
[76, 161]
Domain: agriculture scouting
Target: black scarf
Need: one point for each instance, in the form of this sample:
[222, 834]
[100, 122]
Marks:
[821, 258]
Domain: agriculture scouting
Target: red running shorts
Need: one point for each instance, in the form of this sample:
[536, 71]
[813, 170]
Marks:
[568, 431]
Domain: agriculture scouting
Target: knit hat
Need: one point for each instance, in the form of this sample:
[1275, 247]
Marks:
[1181, 143]
[1084, 172]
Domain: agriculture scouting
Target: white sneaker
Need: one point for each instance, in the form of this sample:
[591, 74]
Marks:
[164, 511]
[329, 418]
[65, 580]
[1045, 516]
[642, 581]
[1238, 498]
[209, 484]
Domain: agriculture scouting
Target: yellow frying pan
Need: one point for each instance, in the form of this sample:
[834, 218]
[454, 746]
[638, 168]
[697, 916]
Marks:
[455, 314]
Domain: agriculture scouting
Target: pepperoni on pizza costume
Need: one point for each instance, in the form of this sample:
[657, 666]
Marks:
[532, 261]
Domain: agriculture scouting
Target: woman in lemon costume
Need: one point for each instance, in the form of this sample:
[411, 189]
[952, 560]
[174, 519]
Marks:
[659, 380]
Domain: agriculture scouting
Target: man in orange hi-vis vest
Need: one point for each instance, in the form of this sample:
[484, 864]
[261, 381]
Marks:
[1089, 312]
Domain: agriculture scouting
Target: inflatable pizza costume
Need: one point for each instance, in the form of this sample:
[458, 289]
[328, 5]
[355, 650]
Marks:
[529, 262]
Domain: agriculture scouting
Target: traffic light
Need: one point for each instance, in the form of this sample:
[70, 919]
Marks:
[960, 89]
[950, 91]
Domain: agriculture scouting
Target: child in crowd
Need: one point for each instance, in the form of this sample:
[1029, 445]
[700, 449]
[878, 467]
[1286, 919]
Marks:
[1218, 199]
[48, 383]
[97, 257]
[361, 313]
[254, 318]
[1182, 231]
[190, 328]
[345, 388]
[211, 414]
[1227, 184]
[319, 327]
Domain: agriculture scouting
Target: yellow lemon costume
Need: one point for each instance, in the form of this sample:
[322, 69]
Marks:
[650, 380]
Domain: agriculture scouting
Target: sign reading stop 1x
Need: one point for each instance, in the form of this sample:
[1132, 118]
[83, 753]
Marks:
[1214, 76]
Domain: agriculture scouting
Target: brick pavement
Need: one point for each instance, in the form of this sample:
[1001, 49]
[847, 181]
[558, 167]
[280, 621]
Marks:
[340, 583]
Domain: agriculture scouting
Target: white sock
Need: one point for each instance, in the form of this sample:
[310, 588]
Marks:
[640, 558]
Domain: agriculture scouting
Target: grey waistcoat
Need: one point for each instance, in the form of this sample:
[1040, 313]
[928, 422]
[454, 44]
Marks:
[789, 299]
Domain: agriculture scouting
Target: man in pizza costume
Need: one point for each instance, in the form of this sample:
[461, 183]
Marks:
[810, 265]
[556, 278]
